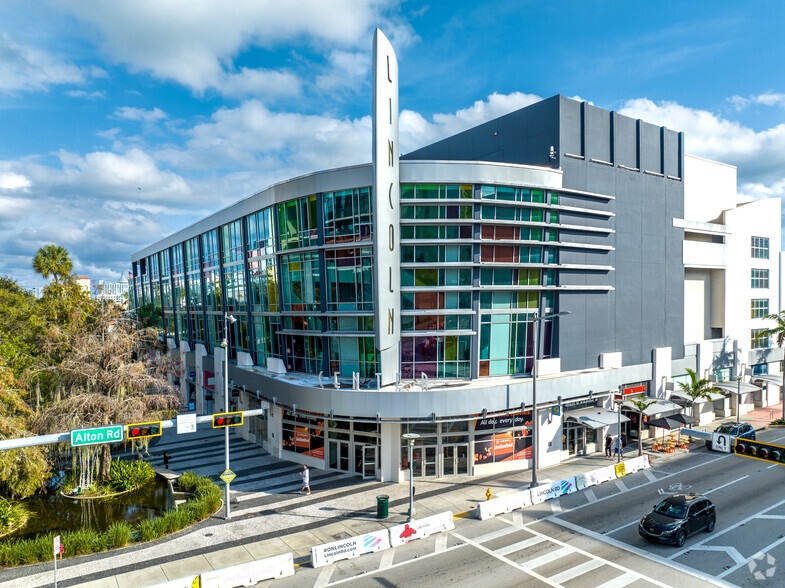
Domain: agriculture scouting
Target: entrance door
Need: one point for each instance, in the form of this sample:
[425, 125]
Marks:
[369, 462]
[339, 456]
[424, 461]
[455, 459]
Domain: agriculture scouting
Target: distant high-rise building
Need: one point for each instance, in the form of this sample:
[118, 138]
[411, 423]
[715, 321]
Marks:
[114, 291]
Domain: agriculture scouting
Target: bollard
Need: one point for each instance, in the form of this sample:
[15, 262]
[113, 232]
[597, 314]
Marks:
[488, 494]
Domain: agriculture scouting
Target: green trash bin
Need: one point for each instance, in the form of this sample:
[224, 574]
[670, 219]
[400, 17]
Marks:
[382, 507]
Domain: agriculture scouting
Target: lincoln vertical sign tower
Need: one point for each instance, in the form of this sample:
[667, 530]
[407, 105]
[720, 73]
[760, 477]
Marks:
[386, 213]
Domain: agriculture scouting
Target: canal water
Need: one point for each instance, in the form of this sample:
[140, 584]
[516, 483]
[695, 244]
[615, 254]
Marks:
[55, 513]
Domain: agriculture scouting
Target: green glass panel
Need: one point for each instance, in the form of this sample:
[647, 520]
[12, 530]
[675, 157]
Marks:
[426, 232]
[538, 196]
[488, 212]
[465, 212]
[407, 232]
[466, 192]
[407, 211]
[452, 192]
[427, 191]
[407, 191]
[536, 215]
[465, 277]
[426, 277]
[407, 254]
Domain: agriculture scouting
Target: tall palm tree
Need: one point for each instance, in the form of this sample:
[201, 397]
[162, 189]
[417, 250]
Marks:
[696, 388]
[53, 260]
[641, 402]
[778, 332]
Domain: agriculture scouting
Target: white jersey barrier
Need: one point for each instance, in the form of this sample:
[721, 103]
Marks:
[539, 494]
[421, 528]
[321, 555]
[251, 573]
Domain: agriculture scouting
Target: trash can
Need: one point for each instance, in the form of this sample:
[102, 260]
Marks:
[382, 507]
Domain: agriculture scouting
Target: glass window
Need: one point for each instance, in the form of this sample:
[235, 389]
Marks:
[347, 215]
[759, 278]
[301, 281]
[232, 242]
[758, 339]
[297, 223]
[759, 308]
[349, 279]
[760, 247]
[260, 239]
[436, 356]
[349, 355]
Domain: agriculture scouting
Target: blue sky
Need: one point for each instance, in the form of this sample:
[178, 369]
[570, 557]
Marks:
[121, 122]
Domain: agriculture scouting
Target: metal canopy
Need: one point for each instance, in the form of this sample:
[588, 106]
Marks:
[595, 417]
[658, 407]
[733, 387]
[768, 378]
[684, 396]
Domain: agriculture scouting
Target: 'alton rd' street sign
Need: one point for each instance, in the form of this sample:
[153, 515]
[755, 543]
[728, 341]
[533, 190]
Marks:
[110, 434]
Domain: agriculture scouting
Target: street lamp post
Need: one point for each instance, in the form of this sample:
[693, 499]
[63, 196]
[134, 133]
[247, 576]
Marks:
[411, 437]
[738, 393]
[618, 438]
[535, 417]
[228, 320]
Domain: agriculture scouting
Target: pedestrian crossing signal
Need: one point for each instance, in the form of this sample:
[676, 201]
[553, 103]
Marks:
[227, 419]
[143, 430]
[760, 450]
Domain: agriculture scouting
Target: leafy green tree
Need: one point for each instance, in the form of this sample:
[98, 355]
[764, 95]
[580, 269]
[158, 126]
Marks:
[53, 260]
[149, 315]
[696, 389]
[20, 326]
[641, 402]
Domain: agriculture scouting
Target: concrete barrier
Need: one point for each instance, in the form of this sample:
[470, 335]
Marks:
[322, 555]
[251, 573]
[421, 528]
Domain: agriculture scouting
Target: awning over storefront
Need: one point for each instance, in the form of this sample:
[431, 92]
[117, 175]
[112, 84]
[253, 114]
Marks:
[769, 379]
[686, 398]
[595, 417]
[658, 407]
[733, 387]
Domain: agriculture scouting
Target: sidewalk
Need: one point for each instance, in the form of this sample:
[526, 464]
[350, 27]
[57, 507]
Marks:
[293, 524]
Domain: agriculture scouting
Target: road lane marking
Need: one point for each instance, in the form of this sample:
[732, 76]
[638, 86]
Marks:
[651, 477]
[555, 505]
[324, 576]
[590, 495]
[713, 536]
[441, 543]
[773, 517]
[521, 567]
[517, 517]
[620, 581]
[728, 484]
[525, 544]
[578, 570]
[496, 534]
[387, 559]
[763, 551]
[731, 551]
[637, 551]
[620, 485]
[622, 527]
[774, 465]
[547, 558]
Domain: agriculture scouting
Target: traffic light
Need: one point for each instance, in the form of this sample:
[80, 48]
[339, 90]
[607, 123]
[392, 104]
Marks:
[143, 430]
[227, 419]
[760, 450]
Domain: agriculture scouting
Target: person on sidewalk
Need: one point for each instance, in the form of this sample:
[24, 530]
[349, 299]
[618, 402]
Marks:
[618, 447]
[306, 476]
[608, 444]
[167, 457]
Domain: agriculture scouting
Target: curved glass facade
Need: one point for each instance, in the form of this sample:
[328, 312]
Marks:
[478, 261]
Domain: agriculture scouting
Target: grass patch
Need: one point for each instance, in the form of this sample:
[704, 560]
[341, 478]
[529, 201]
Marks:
[205, 501]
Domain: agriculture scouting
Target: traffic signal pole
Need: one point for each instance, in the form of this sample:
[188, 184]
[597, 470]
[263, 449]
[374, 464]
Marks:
[226, 429]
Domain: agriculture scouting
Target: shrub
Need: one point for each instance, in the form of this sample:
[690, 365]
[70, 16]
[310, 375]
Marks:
[778, 422]
[188, 481]
[148, 530]
[118, 535]
[128, 475]
[12, 515]
[81, 542]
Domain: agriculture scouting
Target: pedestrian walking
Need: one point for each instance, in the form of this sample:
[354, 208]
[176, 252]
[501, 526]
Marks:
[139, 456]
[618, 447]
[306, 476]
[608, 445]
[167, 457]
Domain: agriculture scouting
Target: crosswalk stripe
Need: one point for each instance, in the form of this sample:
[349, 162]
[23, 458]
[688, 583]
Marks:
[547, 557]
[495, 534]
[620, 581]
[576, 571]
[525, 544]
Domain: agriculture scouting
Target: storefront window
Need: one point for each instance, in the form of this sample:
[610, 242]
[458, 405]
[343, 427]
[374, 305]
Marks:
[503, 438]
[303, 434]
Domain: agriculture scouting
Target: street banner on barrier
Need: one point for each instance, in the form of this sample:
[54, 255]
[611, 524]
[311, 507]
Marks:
[621, 471]
[421, 528]
[594, 477]
[504, 504]
[251, 573]
[549, 491]
[321, 555]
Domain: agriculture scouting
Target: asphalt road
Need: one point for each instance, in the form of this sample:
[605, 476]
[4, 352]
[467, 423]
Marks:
[590, 538]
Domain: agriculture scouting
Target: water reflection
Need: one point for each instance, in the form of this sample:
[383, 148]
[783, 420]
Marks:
[55, 513]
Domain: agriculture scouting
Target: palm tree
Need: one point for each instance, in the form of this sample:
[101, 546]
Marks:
[696, 388]
[53, 260]
[641, 402]
[778, 332]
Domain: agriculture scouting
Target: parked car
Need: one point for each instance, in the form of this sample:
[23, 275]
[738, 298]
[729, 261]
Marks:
[677, 517]
[744, 430]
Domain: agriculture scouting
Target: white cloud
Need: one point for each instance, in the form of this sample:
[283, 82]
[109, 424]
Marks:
[347, 70]
[767, 99]
[193, 43]
[87, 95]
[140, 114]
[24, 68]
[12, 181]
[260, 82]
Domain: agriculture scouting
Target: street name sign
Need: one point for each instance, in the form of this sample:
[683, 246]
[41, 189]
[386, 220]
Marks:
[228, 476]
[97, 435]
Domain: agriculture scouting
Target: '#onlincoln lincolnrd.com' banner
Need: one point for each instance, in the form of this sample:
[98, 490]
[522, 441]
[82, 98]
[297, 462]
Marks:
[322, 555]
